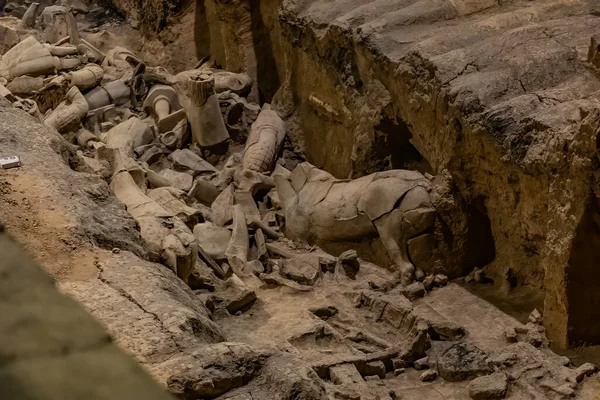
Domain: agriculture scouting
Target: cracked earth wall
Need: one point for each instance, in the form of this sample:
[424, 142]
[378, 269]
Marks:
[499, 101]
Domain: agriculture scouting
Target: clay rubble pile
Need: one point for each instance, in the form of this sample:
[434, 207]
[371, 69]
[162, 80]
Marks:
[214, 217]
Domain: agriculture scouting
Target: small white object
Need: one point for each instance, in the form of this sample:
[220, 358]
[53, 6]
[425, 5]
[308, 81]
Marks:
[10, 162]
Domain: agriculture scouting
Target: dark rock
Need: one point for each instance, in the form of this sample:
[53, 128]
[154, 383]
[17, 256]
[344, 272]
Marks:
[463, 361]
[187, 160]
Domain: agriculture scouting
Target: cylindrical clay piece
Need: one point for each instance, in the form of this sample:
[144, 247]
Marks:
[265, 140]
[69, 112]
[204, 115]
[87, 77]
[162, 107]
[28, 20]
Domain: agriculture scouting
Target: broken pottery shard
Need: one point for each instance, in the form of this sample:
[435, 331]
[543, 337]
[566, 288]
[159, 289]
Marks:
[180, 180]
[203, 191]
[87, 77]
[186, 159]
[222, 207]
[274, 278]
[214, 240]
[491, 387]
[394, 204]
[204, 114]
[254, 267]
[10, 162]
[261, 245]
[25, 85]
[264, 141]
[301, 270]
[237, 296]
[237, 252]
[246, 201]
[156, 181]
[463, 361]
[221, 273]
[179, 134]
[171, 199]
[253, 181]
[69, 113]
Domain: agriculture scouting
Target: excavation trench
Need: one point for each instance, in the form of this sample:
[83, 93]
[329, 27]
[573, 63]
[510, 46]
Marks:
[424, 146]
[363, 95]
[366, 103]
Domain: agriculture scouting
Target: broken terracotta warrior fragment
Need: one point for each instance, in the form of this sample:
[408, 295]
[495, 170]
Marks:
[208, 128]
[265, 140]
[69, 113]
[395, 205]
